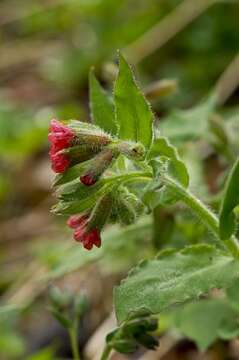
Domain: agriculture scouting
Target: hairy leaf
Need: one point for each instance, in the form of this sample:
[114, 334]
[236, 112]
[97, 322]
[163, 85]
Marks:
[174, 278]
[133, 113]
[205, 321]
[164, 158]
[70, 174]
[81, 200]
[183, 125]
[230, 200]
[177, 168]
[102, 107]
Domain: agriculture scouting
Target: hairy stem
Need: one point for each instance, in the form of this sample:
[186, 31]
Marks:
[205, 214]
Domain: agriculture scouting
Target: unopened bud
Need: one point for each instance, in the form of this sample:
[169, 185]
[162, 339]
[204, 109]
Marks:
[101, 212]
[60, 299]
[133, 151]
[128, 206]
[60, 137]
[98, 165]
[80, 153]
[75, 221]
[81, 303]
[88, 227]
[89, 134]
[74, 143]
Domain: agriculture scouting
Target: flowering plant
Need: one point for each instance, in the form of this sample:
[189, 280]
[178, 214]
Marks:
[121, 168]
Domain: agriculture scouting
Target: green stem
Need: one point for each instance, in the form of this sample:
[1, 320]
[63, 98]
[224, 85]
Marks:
[163, 225]
[134, 176]
[106, 352]
[74, 343]
[206, 215]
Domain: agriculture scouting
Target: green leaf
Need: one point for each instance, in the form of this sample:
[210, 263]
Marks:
[164, 158]
[83, 198]
[205, 321]
[102, 107]
[174, 278]
[177, 168]
[184, 125]
[133, 113]
[227, 224]
[233, 295]
[70, 174]
[75, 197]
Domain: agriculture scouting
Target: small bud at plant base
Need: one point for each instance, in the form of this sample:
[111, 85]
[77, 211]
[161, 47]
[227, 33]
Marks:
[80, 303]
[60, 299]
[98, 165]
[133, 151]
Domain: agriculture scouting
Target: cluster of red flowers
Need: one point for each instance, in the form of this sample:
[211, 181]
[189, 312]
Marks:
[60, 137]
[81, 234]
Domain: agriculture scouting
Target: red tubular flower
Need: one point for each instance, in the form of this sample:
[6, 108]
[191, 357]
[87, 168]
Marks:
[59, 163]
[91, 238]
[88, 239]
[76, 221]
[82, 234]
[60, 137]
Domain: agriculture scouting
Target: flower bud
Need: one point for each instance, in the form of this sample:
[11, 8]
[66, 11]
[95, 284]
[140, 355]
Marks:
[129, 206]
[89, 134]
[76, 221]
[98, 165]
[101, 212]
[60, 299]
[88, 227]
[71, 145]
[60, 137]
[88, 237]
[133, 151]
[60, 163]
[81, 303]
[80, 153]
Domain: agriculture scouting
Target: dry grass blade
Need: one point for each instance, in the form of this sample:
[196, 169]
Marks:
[167, 28]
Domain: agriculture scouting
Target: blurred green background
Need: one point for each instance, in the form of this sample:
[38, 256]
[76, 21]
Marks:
[47, 48]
